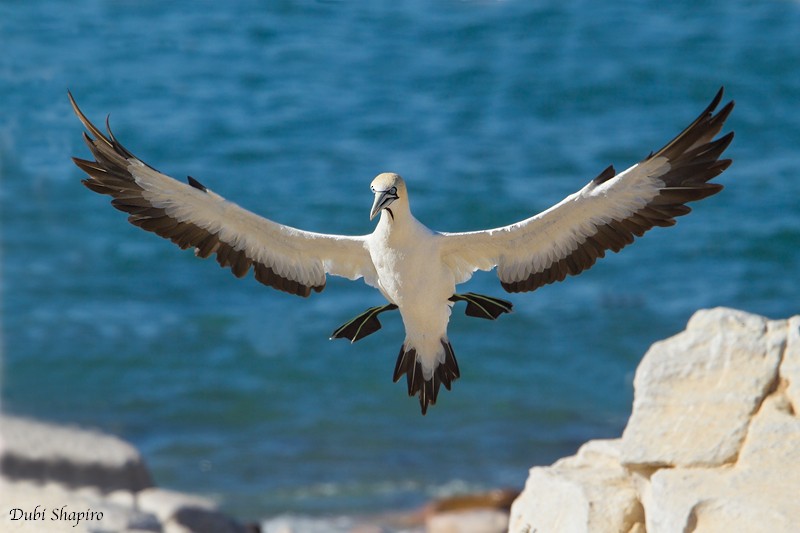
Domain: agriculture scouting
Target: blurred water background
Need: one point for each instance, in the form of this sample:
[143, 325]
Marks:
[492, 111]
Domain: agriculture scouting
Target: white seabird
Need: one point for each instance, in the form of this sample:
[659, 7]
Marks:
[415, 268]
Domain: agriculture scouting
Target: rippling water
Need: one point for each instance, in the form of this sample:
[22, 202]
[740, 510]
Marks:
[491, 110]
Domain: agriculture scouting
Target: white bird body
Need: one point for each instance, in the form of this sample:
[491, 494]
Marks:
[417, 269]
[411, 275]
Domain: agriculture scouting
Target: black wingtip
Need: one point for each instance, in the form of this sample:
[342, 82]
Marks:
[723, 113]
[717, 98]
[196, 184]
[693, 157]
[605, 175]
[86, 122]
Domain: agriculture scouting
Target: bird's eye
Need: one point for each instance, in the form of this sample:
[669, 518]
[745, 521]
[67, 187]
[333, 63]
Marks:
[393, 190]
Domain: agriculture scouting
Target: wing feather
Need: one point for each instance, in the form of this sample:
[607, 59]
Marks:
[192, 216]
[607, 214]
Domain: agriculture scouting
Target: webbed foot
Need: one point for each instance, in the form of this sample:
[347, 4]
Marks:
[481, 306]
[364, 324]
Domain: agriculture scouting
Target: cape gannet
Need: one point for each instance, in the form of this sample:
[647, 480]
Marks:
[415, 268]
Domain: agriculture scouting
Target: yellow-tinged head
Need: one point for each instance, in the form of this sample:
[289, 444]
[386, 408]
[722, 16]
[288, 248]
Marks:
[388, 188]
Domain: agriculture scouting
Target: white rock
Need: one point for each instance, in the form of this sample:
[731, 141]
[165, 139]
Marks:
[37, 451]
[695, 392]
[471, 521]
[759, 493]
[74, 471]
[790, 367]
[713, 444]
[49, 497]
[302, 524]
[591, 492]
[594, 453]
[165, 503]
[122, 497]
[184, 513]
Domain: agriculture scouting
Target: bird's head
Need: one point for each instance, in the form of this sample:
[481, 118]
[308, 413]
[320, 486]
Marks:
[388, 188]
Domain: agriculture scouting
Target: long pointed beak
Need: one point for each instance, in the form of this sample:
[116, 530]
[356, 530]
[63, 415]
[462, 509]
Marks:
[382, 199]
[376, 205]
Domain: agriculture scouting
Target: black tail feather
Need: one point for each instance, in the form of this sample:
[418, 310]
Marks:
[405, 362]
[428, 390]
[482, 306]
[448, 372]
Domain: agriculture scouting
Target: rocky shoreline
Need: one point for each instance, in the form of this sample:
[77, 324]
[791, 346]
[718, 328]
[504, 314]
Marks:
[63, 478]
[59, 478]
[712, 444]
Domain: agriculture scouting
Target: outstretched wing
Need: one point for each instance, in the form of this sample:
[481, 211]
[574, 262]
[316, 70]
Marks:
[604, 215]
[192, 216]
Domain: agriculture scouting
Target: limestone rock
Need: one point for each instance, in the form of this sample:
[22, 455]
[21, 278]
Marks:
[713, 444]
[470, 521]
[590, 492]
[695, 392]
[185, 513]
[49, 469]
[36, 451]
[758, 493]
[165, 503]
[304, 524]
[485, 512]
[790, 366]
[63, 501]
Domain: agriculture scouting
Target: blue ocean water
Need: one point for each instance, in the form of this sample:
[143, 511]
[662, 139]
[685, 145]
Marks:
[492, 111]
